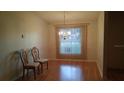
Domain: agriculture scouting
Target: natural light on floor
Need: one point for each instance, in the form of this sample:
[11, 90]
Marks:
[68, 72]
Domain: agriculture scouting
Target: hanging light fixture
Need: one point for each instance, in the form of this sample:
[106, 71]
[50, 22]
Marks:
[65, 33]
[64, 18]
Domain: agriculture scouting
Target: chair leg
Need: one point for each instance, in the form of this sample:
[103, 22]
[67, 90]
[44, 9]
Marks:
[38, 69]
[34, 73]
[41, 67]
[27, 72]
[47, 65]
[23, 73]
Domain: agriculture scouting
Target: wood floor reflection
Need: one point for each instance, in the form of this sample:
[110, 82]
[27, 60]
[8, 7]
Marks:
[68, 71]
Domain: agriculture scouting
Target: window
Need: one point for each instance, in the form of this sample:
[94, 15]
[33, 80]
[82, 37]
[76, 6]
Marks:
[71, 42]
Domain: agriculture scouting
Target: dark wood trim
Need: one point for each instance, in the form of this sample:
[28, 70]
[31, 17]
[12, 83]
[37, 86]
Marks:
[106, 53]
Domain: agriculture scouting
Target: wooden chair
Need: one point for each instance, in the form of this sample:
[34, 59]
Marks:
[27, 65]
[37, 59]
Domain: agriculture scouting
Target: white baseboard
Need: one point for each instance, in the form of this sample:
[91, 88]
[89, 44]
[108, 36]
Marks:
[79, 60]
[100, 70]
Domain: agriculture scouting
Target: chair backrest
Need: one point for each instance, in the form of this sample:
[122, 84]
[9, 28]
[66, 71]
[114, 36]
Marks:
[23, 56]
[35, 54]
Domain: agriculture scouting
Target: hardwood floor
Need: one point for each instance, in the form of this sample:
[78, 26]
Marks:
[68, 71]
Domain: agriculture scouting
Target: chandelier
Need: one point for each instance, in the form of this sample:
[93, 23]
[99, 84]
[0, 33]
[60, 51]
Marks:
[64, 33]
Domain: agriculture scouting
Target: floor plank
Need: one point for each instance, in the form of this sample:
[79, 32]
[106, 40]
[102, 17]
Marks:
[68, 71]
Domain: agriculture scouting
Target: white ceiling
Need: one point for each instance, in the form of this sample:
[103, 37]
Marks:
[70, 16]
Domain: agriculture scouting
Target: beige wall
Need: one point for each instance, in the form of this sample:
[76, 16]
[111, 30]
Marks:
[91, 40]
[100, 43]
[12, 26]
[52, 42]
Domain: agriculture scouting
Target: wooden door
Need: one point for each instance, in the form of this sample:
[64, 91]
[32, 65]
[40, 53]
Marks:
[114, 42]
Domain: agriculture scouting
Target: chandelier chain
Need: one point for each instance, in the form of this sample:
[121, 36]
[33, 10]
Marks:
[64, 18]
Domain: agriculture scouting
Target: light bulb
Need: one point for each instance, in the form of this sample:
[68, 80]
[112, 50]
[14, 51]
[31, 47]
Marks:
[69, 33]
